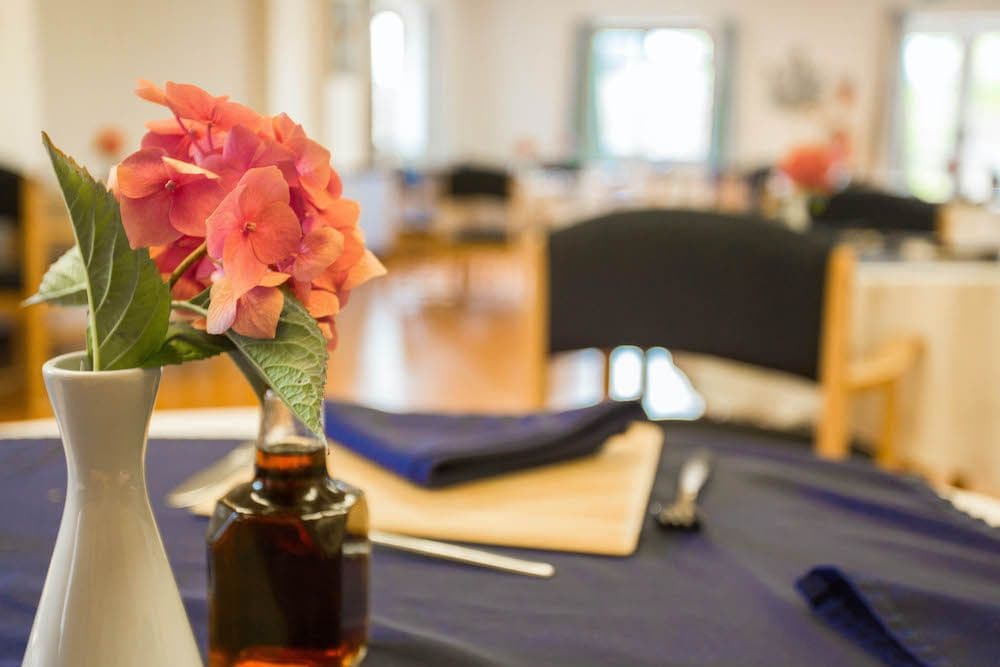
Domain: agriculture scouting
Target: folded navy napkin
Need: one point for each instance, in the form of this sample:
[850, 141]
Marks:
[905, 626]
[436, 450]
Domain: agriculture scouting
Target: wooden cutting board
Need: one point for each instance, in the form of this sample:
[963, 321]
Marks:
[594, 505]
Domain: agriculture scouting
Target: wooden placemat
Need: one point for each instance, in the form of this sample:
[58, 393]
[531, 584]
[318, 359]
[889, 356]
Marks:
[593, 505]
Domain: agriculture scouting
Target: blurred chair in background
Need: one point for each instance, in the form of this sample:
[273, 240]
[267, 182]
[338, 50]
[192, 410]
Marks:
[867, 208]
[729, 286]
[23, 260]
[963, 230]
[477, 217]
[476, 204]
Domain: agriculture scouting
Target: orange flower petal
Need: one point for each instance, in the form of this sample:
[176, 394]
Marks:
[147, 220]
[322, 304]
[181, 167]
[223, 221]
[367, 268]
[258, 311]
[277, 234]
[242, 267]
[221, 307]
[192, 206]
[342, 213]
[259, 187]
[273, 279]
[319, 248]
[142, 173]
[148, 90]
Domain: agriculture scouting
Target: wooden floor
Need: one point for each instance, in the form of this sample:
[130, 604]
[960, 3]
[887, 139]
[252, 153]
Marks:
[447, 333]
[439, 332]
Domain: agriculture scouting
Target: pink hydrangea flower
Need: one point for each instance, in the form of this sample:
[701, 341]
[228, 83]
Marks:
[253, 227]
[254, 313]
[257, 196]
[163, 198]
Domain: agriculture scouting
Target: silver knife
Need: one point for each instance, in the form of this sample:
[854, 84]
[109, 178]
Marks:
[213, 481]
[459, 554]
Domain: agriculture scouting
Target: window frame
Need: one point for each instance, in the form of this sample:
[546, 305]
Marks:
[967, 26]
[585, 117]
[417, 24]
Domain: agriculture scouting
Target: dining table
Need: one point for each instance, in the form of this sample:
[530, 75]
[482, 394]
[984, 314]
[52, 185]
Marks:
[734, 593]
[949, 426]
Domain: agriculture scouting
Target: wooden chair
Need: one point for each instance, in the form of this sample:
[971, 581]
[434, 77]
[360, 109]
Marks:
[478, 218]
[476, 203]
[729, 286]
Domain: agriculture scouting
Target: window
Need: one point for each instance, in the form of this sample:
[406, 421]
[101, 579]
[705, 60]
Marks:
[651, 94]
[949, 126]
[398, 35]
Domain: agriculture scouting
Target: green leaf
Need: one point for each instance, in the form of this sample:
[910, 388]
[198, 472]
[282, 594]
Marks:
[65, 283]
[185, 343]
[129, 303]
[293, 363]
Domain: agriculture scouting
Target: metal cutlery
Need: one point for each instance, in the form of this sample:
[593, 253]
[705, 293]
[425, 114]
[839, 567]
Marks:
[212, 482]
[682, 513]
[459, 554]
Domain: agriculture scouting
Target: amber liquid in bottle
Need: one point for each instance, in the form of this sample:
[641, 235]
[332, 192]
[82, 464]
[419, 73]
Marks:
[288, 565]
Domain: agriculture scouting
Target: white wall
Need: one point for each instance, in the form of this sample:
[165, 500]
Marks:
[92, 53]
[521, 64]
[518, 62]
[19, 68]
[502, 69]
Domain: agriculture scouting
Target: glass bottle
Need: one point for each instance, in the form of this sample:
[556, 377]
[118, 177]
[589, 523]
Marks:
[288, 558]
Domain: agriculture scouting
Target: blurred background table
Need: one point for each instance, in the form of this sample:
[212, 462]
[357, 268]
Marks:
[950, 426]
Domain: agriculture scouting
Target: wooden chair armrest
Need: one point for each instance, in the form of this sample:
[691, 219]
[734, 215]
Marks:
[886, 364]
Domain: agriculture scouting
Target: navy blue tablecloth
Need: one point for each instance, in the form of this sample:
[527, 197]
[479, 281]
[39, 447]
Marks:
[726, 596]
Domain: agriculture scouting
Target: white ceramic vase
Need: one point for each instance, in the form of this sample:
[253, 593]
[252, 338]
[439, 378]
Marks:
[110, 599]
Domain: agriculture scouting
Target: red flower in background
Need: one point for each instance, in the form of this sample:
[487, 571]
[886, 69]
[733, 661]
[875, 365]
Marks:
[812, 167]
[110, 142]
[257, 196]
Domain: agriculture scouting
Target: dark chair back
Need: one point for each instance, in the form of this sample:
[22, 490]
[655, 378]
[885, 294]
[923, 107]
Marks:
[756, 181]
[11, 214]
[10, 194]
[470, 181]
[731, 286]
[867, 208]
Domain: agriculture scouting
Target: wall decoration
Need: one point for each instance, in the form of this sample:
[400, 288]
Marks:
[797, 83]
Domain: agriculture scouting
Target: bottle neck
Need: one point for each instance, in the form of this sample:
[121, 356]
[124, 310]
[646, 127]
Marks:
[288, 469]
[289, 459]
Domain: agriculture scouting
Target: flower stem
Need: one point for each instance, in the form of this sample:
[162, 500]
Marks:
[184, 128]
[187, 305]
[186, 264]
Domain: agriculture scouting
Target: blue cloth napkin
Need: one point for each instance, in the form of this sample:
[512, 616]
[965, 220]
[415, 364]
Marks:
[436, 450]
[903, 625]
